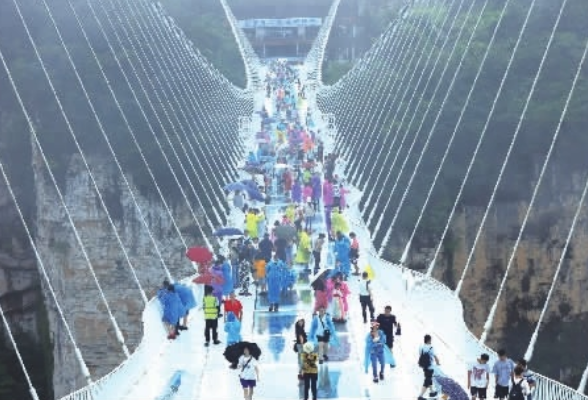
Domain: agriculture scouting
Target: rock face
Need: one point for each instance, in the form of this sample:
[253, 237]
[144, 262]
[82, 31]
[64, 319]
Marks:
[530, 276]
[19, 282]
[70, 273]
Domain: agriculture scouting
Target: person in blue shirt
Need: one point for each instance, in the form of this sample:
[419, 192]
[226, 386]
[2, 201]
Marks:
[428, 370]
[503, 372]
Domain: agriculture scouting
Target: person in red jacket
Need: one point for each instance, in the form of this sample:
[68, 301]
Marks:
[234, 305]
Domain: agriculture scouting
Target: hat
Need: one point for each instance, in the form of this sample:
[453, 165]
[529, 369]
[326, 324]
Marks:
[308, 347]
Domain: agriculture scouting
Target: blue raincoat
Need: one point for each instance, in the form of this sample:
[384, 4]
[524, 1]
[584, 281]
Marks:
[186, 296]
[233, 329]
[172, 306]
[342, 247]
[333, 340]
[273, 274]
[228, 279]
[377, 352]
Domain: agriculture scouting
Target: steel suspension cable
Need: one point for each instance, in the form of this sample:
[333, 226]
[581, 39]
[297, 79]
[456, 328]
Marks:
[512, 142]
[358, 172]
[111, 148]
[79, 147]
[160, 122]
[401, 124]
[365, 112]
[175, 90]
[205, 114]
[128, 125]
[490, 320]
[415, 168]
[37, 143]
[563, 115]
[40, 263]
[480, 138]
[451, 139]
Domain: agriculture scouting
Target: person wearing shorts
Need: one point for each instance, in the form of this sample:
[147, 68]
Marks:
[249, 373]
[479, 377]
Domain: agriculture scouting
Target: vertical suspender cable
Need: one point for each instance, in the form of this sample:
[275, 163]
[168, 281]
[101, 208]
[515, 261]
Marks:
[37, 143]
[533, 341]
[40, 263]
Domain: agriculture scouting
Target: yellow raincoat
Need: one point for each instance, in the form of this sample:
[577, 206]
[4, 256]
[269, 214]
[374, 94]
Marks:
[338, 222]
[304, 249]
[251, 222]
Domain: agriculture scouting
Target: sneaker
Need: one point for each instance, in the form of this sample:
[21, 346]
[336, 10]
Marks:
[392, 366]
[171, 336]
[216, 342]
[381, 376]
[421, 398]
[182, 328]
[207, 344]
[375, 379]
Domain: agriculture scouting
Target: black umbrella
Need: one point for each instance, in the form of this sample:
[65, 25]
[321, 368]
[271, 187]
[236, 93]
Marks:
[286, 232]
[322, 275]
[234, 351]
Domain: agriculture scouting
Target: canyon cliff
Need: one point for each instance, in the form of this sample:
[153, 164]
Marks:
[70, 274]
[530, 277]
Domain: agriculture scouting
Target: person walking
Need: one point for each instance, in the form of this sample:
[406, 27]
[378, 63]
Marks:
[232, 304]
[376, 352]
[365, 297]
[322, 332]
[427, 358]
[249, 373]
[529, 377]
[520, 387]
[211, 306]
[232, 328]
[309, 370]
[301, 339]
[388, 322]
[502, 370]
[317, 249]
[479, 377]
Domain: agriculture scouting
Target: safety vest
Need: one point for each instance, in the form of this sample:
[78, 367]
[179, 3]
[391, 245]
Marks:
[210, 307]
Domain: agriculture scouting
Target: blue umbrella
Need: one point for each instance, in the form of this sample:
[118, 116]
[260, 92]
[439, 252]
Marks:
[231, 187]
[250, 183]
[228, 232]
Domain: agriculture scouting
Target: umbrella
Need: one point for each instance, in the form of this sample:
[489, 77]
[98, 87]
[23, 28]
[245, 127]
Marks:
[286, 232]
[253, 170]
[200, 255]
[250, 183]
[208, 278]
[228, 232]
[234, 351]
[323, 274]
[231, 187]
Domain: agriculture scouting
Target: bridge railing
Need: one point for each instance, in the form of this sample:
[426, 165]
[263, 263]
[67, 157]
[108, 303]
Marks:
[441, 312]
[121, 379]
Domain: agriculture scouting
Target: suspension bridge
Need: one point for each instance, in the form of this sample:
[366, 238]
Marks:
[186, 115]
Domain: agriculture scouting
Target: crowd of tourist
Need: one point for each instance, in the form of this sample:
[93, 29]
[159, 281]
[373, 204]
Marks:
[292, 168]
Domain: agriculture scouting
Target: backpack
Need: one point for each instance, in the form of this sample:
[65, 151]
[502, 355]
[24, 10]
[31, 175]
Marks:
[516, 392]
[425, 359]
